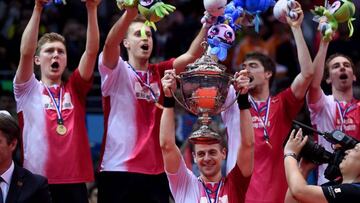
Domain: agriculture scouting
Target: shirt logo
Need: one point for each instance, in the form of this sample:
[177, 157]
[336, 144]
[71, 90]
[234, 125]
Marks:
[337, 190]
[66, 103]
[143, 92]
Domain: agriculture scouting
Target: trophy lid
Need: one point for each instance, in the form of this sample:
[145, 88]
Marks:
[205, 64]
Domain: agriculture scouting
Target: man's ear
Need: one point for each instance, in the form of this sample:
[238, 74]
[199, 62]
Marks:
[13, 144]
[328, 81]
[224, 152]
[126, 43]
[194, 158]
[268, 74]
[37, 60]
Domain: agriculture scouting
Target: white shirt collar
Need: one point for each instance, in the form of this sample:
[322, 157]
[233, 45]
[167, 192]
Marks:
[8, 173]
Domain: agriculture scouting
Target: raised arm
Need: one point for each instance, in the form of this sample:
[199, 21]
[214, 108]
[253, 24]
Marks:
[117, 33]
[194, 52]
[315, 91]
[298, 186]
[88, 59]
[28, 44]
[245, 156]
[170, 152]
[302, 80]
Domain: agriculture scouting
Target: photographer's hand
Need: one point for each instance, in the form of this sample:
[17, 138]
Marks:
[295, 143]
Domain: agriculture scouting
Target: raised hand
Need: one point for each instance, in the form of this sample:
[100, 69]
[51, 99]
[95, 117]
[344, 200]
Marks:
[242, 80]
[169, 82]
[295, 142]
[297, 11]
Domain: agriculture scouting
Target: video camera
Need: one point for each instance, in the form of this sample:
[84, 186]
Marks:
[319, 155]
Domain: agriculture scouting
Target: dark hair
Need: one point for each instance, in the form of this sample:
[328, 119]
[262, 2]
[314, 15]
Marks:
[266, 61]
[9, 128]
[330, 58]
[49, 37]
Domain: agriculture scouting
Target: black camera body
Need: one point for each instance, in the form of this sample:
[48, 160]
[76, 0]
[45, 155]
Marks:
[319, 155]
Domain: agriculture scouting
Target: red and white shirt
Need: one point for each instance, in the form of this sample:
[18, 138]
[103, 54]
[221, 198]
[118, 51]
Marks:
[186, 187]
[132, 121]
[327, 115]
[268, 183]
[60, 158]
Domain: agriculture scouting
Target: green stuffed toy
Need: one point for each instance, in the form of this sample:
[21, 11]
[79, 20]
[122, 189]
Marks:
[152, 10]
[340, 11]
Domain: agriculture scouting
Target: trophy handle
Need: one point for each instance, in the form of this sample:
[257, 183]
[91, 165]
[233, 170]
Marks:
[231, 103]
[181, 104]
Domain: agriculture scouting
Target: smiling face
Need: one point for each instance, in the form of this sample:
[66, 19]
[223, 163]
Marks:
[209, 159]
[341, 75]
[52, 59]
[137, 46]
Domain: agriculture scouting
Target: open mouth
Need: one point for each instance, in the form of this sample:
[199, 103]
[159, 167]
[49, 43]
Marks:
[55, 65]
[343, 76]
[145, 47]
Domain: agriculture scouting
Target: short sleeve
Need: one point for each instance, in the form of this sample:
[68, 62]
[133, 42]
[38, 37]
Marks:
[24, 90]
[349, 193]
[109, 77]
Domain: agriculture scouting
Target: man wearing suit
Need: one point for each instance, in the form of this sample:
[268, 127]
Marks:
[16, 183]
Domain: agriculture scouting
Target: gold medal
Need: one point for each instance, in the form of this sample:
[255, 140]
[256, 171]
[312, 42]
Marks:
[61, 129]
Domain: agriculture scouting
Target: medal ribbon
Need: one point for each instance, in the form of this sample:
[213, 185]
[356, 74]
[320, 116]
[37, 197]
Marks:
[147, 84]
[258, 111]
[343, 112]
[58, 106]
[208, 191]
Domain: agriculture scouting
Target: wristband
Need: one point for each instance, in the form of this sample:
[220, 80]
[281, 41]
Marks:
[169, 102]
[243, 101]
[291, 155]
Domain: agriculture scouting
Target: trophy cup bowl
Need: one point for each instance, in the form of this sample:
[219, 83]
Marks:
[204, 87]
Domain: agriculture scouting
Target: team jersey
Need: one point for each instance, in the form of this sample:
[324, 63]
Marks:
[268, 182]
[132, 120]
[186, 187]
[61, 158]
[326, 115]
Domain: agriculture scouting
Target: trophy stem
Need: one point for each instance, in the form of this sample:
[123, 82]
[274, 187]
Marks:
[205, 119]
[205, 135]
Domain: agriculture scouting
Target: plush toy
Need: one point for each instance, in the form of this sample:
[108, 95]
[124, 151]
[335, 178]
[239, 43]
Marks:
[153, 11]
[220, 38]
[256, 7]
[232, 13]
[215, 7]
[285, 8]
[340, 11]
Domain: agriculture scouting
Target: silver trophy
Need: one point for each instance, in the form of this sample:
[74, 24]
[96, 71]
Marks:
[204, 87]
